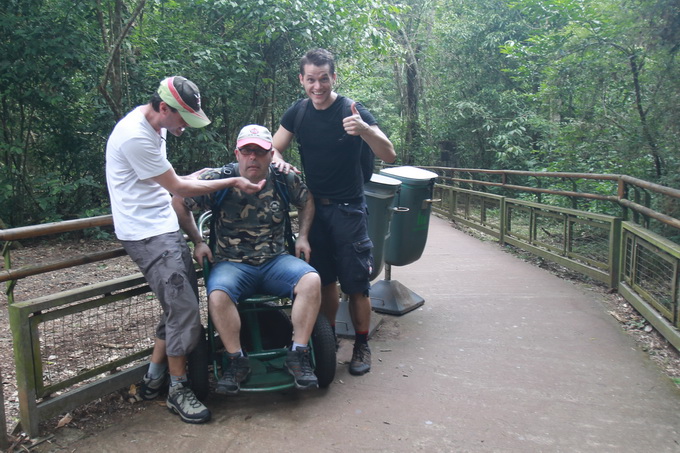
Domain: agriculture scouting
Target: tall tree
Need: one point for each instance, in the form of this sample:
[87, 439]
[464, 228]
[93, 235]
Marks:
[48, 116]
[603, 75]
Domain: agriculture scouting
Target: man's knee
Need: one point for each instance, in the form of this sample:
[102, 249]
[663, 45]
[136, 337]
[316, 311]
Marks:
[309, 285]
[220, 301]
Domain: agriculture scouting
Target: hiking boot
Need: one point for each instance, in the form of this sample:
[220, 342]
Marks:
[182, 401]
[361, 359]
[152, 388]
[299, 365]
[235, 371]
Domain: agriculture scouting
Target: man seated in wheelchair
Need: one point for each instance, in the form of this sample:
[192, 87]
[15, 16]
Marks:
[249, 254]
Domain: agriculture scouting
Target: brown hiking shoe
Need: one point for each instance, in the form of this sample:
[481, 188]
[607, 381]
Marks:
[361, 359]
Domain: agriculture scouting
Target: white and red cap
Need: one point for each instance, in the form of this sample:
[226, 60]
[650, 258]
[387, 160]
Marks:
[255, 134]
[183, 95]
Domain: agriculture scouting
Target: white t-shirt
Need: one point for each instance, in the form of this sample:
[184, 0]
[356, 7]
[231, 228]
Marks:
[135, 153]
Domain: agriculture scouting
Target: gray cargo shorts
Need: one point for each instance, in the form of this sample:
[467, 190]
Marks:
[165, 260]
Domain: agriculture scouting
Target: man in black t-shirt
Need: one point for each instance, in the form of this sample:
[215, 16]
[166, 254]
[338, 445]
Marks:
[330, 148]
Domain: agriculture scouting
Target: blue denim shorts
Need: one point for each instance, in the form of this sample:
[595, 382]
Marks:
[276, 277]
[341, 248]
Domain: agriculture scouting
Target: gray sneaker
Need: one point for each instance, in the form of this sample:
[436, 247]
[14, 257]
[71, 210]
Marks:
[299, 365]
[152, 388]
[182, 401]
[235, 371]
[361, 359]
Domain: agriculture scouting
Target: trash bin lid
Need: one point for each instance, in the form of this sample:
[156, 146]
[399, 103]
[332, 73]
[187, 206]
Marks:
[386, 180]
[409, 174]
[381, 186]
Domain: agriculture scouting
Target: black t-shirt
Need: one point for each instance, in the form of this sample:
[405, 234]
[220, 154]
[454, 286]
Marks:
[330, 157]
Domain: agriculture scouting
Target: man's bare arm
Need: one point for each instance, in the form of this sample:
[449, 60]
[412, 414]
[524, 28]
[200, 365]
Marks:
[193, 187]
[188, 225]
[305, 217]
[281, 141]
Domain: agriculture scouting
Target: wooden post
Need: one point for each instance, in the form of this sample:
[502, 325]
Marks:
[4, 441]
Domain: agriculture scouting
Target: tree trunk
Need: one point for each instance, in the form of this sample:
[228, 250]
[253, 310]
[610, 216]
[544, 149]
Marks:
[410, 100]
[412, 84]
[113, 73]
[647, 134]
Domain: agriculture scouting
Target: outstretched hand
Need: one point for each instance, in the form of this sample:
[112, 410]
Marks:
[246, 186]
[353, 124]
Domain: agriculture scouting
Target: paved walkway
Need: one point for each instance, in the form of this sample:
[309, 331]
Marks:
[502, 357]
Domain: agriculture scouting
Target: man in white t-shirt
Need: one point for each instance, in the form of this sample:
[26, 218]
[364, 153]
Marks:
[141, 180]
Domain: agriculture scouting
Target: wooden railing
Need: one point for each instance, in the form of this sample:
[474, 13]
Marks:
[37, 340]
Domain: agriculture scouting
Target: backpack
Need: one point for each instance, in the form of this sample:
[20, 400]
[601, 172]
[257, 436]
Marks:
[231, 171]
[367, 157]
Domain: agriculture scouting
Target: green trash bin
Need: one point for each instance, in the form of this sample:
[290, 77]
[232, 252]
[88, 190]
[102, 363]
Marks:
[379, 192]
[408, 231]
[406, 240]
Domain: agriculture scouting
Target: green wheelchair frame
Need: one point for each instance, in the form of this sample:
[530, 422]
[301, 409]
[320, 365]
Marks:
[266, 332]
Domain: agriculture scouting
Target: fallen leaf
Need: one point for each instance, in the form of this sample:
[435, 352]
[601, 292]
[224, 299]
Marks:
[65, 420]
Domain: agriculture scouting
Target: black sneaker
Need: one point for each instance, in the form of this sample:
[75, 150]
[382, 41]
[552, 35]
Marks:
[299, 365]
[152, 388]
[182, 401]
[361, 359]
[236, 371]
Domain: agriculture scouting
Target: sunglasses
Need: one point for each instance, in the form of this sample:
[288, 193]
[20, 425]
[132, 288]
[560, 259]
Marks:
[259, 152]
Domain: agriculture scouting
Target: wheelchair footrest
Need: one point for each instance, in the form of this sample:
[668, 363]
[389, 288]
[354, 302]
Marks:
[268, 372]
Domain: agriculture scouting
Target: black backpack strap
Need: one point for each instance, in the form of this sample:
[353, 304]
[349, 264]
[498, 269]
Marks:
[282, 190]
[301, 109]
[299, 115]
[347, 107]
[227, 171]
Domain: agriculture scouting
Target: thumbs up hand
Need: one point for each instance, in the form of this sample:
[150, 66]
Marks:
[354, 109]
[353, 124]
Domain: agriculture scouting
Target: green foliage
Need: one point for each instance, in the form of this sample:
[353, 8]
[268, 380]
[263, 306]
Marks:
[597, 72]
[49, 146]
[243, 56]
[554, 85]
[475, 108]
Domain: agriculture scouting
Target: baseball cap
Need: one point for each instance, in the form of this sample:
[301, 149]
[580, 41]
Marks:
[182, 94]
[255, 134]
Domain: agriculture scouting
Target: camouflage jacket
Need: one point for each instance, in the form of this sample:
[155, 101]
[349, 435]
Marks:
[250, 227]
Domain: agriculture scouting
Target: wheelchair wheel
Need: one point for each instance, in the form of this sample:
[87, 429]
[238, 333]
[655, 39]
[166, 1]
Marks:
[197, 368]
[276, 328]
[323, 348]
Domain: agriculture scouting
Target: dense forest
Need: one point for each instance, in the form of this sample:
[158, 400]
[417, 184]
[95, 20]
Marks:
[542, 85]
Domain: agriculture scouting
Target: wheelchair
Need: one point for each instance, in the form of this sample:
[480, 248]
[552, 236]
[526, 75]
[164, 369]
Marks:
[266, 333]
